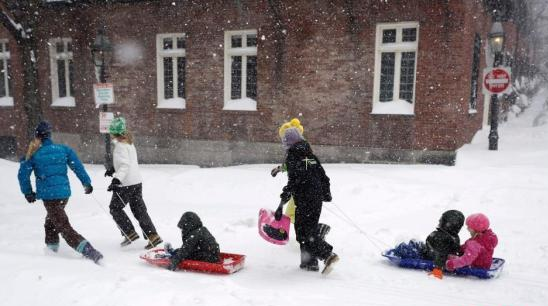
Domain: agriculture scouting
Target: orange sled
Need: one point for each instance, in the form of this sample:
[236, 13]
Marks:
[228, 264]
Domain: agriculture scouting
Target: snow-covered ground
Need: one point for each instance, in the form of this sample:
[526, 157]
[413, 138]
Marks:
[390, 203]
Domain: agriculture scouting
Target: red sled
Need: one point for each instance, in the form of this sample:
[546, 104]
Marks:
[228, 264]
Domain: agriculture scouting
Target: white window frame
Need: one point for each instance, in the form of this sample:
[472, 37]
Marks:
[244, 103]
[176, 102]
[398, 48]
[5, 55]
[67, 101]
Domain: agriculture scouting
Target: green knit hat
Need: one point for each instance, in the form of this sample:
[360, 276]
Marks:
[117, 126]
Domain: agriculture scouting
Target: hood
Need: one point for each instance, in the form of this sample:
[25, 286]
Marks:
[487, 239]
[451, 221]
[189, 222]
[301, 148]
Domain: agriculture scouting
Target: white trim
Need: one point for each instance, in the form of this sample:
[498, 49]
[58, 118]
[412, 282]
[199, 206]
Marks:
[5, 55]
[68, 100]
[176, 102]
[244, 103]
[397, 47]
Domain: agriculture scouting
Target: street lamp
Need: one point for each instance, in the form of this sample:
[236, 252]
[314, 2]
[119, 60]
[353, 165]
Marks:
[496, 44]
[101, 52]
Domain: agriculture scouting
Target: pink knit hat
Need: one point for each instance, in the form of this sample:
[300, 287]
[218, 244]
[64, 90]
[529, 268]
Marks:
[477, 222]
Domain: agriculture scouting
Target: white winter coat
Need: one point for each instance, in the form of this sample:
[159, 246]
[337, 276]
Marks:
[126, 166]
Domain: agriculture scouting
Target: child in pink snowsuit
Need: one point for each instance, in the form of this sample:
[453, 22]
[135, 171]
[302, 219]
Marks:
[478, 250]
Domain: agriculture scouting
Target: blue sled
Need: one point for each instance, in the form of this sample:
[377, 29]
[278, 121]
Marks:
[428, 265]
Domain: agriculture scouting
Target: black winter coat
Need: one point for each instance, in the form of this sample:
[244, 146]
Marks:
[445, 240]
[198, 243]
[307, 181]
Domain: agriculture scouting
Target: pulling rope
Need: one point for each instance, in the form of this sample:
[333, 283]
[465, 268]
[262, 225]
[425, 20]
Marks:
[106, 212]
[345, 218]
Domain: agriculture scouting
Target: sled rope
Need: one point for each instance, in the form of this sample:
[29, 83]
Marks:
[345, 218]
[106, 212]
[125, 204]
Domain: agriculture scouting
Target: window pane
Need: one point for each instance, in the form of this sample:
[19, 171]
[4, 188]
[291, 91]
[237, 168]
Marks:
[389, 36]
[168, 43]
[61, 78]
[387, 76]
[475, 72]
[236, 41]
[3, 78]
[409, 34]
[71, 78]
[4, 47]
[59, 47]
[407, 76]
[168, 78]
[251, 78]
[180, 42]
[181, 63]
[69, 46]
[252, 40]
[236, 82]
[10, 83]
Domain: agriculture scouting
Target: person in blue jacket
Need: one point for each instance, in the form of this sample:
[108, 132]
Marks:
[49, 163]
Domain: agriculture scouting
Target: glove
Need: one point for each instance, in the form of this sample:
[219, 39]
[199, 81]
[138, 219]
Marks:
[88, 189]
[172, 265]
[109, 172]
[279, 212]
[168, 248]
[114, 185]
[437, 273]
[275, 171]
[327, 197]
[31, 197]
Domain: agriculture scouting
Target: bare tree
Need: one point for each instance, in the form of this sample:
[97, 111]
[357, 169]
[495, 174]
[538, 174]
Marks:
[20, 18]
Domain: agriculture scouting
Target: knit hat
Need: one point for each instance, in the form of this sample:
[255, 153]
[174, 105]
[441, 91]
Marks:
[477, 222]
[451, 221]
[43, 130]
[117, 126]
[294, 123]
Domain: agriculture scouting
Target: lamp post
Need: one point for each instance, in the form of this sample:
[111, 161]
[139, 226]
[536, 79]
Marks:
[496, 44]
[101, 51]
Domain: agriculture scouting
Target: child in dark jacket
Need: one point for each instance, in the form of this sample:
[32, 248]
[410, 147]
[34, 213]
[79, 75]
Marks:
[198, 243]
[309, 186]
[441, 243]
[478, 250]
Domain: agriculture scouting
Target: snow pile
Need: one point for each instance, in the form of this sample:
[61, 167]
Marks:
[390, 203]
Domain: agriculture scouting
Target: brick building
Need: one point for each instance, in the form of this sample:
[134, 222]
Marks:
[209, 82]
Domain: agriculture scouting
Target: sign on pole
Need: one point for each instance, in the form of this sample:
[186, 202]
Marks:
[497, 80]
[105, 118]
[104, 93]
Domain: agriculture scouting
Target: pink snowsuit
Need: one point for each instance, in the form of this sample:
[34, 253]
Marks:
[477, 252]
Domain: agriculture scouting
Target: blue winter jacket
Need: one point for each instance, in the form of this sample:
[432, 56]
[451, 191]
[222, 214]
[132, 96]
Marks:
[49, 164]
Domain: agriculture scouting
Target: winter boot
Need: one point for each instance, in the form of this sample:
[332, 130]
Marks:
[153, 240]
[89, 252]
[308, 262]
[323, 230]
[54, 247]
[129, 238]
[329, 262]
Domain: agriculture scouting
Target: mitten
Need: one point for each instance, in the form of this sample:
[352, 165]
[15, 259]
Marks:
[109, 172]
[450, 265]
[279, 212]
[88, 189]
[31, 197]
[275, 171]
[114, 185]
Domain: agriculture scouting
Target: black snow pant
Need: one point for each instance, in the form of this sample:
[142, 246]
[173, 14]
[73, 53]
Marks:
[57, 222]
[307, 216]
[132, 195]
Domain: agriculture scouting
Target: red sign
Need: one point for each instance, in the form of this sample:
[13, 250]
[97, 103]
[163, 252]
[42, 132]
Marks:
[497, 80]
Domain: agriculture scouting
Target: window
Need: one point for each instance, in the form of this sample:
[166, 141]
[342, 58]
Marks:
[6, 98]
[475, 74]
[395, 68]
[171, 70]
[240, 70]
[62, 72]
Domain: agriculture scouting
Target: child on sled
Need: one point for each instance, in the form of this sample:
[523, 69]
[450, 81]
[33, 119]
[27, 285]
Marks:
[198, 243]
